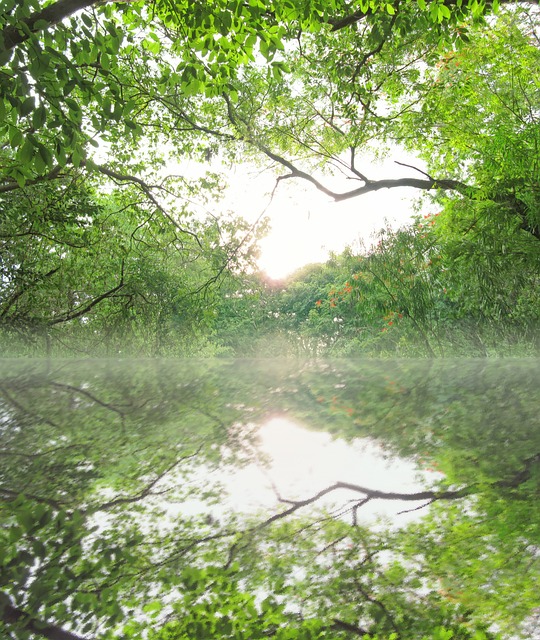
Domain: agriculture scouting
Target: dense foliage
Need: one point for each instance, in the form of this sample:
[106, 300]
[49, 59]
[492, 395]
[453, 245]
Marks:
[118, 121]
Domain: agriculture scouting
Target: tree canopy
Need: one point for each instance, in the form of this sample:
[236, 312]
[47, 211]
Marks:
[118, 121]
[104, 104]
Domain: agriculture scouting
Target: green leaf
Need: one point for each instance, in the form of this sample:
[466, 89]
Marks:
[26, 153]
[27, 106]
[77, 156]
[87, 19]
[39, 117]
[444, 12]
[153, 607]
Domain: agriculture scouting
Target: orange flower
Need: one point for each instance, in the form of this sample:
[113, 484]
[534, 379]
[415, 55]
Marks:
[318, 303]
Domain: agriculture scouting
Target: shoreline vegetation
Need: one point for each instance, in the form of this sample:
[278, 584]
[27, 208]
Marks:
[105, 249]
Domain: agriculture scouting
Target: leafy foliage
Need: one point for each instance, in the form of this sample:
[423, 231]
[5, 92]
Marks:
[111, 525]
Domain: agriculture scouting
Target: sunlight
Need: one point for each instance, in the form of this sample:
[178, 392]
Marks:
[313, 228]
[306, 226]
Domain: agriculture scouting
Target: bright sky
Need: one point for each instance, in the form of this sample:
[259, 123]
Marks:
[302, 462]
[307, 225]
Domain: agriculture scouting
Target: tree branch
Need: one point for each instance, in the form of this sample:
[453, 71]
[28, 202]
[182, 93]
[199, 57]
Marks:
[82, 309]
[9, 495]
[346, 21]
[146, 188]
[341, 625]
[147, 490]
[12, 615]
[14, 35]
[12, 185]
[369, 494]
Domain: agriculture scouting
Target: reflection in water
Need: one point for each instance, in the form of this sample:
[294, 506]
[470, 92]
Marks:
[300, 462]
[129, 442]
[78, 428]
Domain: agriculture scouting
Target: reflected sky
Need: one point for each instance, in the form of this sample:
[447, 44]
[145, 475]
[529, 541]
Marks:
[186, 459]
[78, 431]
[301, 462]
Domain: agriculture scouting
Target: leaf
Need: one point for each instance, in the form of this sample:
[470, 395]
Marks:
[153, 607]
[27, 106]
[77, 156]
[39, 117]
[26, 153]
[16, 137]
[444, 12]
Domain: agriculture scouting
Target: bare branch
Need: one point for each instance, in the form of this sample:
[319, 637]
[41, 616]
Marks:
[341, 625]
[11, 615]
[410, 166]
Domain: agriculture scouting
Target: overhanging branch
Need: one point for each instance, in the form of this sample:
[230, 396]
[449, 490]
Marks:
[369, 186]
[147, 190]
[12, 615]
[49, 16]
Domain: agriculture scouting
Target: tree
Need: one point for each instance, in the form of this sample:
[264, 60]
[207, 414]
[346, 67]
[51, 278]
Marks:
[151, 85]
[77, 71]
[106, 273]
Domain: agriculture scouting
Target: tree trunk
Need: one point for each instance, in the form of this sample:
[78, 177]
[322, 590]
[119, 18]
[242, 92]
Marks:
[13, 35]
[11, 615]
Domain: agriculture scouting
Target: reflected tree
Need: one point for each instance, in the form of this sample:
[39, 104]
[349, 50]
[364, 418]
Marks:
[107, 506]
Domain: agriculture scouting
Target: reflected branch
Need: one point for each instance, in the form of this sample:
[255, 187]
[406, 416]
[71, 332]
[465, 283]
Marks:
[147, 490]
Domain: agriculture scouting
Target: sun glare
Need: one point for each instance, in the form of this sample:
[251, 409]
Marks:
[306, 225]
[309, 230]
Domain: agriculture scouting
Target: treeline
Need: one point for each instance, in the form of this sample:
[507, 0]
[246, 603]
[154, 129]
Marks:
[89, 274]
[429, 289]
[93, 268]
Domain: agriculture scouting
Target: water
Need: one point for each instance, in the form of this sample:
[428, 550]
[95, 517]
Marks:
[262, 428]
[198, 457]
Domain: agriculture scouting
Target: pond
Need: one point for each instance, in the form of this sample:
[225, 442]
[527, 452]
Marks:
[215, 463]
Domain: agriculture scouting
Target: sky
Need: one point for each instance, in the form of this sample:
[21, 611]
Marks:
[307, 225]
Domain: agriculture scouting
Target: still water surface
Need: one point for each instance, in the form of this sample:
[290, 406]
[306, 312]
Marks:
[196, 454]
[262, 428]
